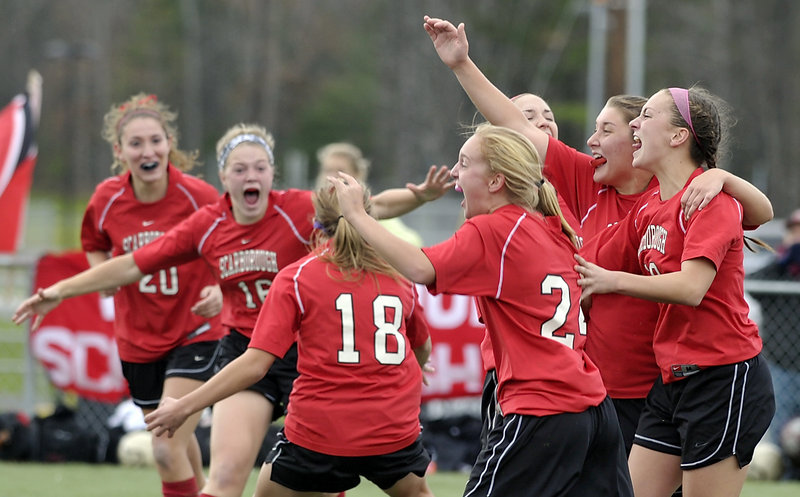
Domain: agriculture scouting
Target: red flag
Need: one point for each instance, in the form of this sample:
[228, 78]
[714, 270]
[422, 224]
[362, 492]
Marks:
[17, 158]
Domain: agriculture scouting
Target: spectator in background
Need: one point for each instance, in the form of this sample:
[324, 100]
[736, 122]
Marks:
[347, 158]
[780, 313]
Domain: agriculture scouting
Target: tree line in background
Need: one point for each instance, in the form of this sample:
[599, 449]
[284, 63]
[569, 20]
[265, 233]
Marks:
[364, 71]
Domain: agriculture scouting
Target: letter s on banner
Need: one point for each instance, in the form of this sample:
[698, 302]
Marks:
[75, 343]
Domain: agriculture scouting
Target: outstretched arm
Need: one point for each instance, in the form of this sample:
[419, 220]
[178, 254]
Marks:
[113, 273]
[409, 260]
[687, 286]
[398, 201]
[242, 372]
[453, 49]
[756, 206]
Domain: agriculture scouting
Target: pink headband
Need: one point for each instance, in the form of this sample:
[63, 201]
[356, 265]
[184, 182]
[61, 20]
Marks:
[681, 98]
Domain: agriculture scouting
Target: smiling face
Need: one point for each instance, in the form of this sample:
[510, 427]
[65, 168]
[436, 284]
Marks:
[143, 148]
[472, 175]
[653, 132]
[612, 147]
[247, 177]
[538, 112]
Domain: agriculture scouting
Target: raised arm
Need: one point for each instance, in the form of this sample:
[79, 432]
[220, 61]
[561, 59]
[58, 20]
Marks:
[398, 201]
[453, 49]
[409, 260]
[756, 206]
[119, 271]
[242, 372]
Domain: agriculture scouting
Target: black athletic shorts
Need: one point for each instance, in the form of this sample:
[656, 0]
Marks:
[628, 413]
[567, 454]
[146, 380]
[304, 470]
[716, 413]
[490, 414]
[276, 385]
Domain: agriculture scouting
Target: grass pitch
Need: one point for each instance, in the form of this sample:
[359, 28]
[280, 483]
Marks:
[102, 480]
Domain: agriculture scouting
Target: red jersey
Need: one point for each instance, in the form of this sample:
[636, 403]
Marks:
[519, 267]
[360, 386]
[153, 316]
[486, 344]
[621, 348]
[243, 258]
[656, 236]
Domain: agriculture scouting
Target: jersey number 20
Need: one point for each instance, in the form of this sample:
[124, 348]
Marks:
[384, 328]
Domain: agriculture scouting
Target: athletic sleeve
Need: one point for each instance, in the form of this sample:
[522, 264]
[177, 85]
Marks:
[462, 264]
[93, 239]
[712, 231]
[571, 173]
[177, 246]
[279, 319]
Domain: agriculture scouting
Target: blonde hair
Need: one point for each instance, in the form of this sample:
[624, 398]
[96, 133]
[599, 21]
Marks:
[255, 130]
[351, 153]
[348, 250]
[145, 105]
[511, 154]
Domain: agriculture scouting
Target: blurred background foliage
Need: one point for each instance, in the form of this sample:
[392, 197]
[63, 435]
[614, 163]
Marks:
[315, 71]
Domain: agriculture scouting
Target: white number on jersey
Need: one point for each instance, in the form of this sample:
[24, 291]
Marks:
[551, 283]
[262, 288]
[168, 284]
[652, 269]
[384, 328]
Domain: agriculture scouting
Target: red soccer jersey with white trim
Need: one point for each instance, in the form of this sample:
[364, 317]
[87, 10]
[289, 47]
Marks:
[519, 267]
[621, 348]
[243, 258]
[152, 316]
[360, 386]
[655, 234]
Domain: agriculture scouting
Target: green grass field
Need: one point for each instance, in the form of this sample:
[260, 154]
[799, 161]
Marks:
[102, 480]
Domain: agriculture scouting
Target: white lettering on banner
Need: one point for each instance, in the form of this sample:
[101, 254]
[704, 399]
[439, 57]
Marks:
[447, 374]
[65, 354]
[461, 310]
[106, 306]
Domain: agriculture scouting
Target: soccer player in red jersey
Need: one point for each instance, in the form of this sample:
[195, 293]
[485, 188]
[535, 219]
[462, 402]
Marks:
[600, 190]
[713, 399]
[361, 341]
[166, 325]
[246, 237]
[514, 253]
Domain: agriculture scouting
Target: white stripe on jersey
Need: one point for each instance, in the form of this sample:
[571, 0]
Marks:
[188, 195]
[503, 254]
[208, 232]
[107, 208]
[291, 225]
[296, 287]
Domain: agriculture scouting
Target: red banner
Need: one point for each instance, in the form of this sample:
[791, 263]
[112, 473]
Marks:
[456, 335]
[75, 342]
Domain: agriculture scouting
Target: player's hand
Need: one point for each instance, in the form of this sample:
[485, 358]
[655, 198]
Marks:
[427, 369]
[701, 190]
[450, 42]
[350, 194]
[167, 418]
[437, 183]
[594, 279]
[36, 306]
[210, 303]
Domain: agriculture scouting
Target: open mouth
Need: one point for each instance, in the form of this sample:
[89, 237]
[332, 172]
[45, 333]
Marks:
[637, 143]
[251, 196]
[457, 188]
[149, 166]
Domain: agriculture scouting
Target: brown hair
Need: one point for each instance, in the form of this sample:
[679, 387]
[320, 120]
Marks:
[145, 105]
